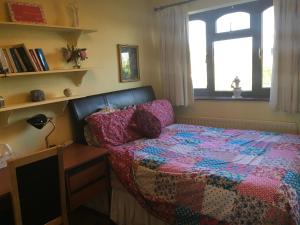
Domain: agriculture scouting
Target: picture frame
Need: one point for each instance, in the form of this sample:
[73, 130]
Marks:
[128, 56]
[24, 12]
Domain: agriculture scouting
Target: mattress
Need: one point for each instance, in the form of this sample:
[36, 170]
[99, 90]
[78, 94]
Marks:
[202, 175]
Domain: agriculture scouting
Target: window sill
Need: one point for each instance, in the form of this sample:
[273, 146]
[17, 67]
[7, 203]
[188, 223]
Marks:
[231, 99]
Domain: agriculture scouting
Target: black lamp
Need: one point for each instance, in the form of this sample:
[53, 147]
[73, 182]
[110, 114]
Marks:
[39, 121]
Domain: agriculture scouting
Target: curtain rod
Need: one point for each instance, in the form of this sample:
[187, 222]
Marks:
[171, 5]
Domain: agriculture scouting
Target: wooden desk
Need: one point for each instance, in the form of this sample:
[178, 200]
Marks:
[77, 160]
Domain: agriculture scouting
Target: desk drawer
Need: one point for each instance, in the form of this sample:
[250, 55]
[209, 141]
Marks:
[82, 196]
[87, 175]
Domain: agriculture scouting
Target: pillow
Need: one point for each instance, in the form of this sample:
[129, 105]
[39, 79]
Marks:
[161, 109]
[89, 136]
[113, 128]
[147, 123]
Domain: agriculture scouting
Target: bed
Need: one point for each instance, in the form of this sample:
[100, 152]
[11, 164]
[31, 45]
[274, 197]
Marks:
[199, 175]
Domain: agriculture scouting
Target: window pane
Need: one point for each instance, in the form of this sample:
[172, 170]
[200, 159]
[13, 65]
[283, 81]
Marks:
[233, 21]
[197, 39]
[267, 43]
[233, 58]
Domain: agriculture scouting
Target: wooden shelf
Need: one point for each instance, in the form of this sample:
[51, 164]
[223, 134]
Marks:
[47, 27]
[7, 111]
[33, 104]
[77, 74]
[42, 72]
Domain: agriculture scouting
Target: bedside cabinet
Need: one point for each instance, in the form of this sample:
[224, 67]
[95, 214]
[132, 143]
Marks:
[86, 174]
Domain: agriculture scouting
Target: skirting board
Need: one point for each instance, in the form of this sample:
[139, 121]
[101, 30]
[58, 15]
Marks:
[282, 127]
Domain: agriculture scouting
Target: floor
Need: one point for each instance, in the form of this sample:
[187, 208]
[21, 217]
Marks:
[86, 216]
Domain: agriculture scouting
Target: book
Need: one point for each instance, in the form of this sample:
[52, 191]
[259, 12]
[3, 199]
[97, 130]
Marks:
[16, 60]
[5, 66]
[26, 58]
[40, 54]
[24, 69]
[14, 68]
[11, 69]
[35, 60]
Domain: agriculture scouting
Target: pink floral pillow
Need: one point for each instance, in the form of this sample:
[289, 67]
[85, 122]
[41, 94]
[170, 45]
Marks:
[113, 128]
[161, 109]
[147, 123]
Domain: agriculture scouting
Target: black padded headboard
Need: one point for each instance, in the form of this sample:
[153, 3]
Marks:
[82, 107]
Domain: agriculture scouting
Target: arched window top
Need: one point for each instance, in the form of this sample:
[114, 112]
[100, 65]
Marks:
[232, 22]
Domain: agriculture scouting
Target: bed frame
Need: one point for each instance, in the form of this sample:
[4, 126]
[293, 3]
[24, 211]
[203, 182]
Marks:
[82, 107]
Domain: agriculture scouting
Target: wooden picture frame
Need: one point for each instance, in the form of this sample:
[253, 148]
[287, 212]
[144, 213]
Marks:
[24, 12]
[128, 56]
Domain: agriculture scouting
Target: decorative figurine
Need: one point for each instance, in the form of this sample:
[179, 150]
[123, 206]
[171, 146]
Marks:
[68, 92]
[2, 102]
[73, 5]
[37, 95]
[237, 90]
[72, 53]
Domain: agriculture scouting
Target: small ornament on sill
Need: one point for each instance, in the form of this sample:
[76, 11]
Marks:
[237, 90]
[72, 53]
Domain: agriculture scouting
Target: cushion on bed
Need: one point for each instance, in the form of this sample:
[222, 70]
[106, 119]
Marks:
[147, 123]
[113, 128]
[90, 137]
[161, 109]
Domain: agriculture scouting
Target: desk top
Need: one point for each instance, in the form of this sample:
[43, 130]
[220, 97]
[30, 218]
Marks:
[74, 155]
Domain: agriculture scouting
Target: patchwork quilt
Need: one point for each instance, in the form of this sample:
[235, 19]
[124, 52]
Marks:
[194, 175]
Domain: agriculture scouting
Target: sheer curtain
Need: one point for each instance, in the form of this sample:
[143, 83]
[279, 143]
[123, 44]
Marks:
[285, 90]
[174, 55]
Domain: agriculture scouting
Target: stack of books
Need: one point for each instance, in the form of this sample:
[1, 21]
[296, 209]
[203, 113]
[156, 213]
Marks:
[18, 59]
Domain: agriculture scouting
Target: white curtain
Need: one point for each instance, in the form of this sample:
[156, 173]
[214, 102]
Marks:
[174, 55]
[285, 90]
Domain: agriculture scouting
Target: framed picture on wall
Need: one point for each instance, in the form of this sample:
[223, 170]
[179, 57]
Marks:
[24, 12]
[128, 56]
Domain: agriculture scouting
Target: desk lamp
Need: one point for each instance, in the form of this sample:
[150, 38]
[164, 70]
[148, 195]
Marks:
[39, 121]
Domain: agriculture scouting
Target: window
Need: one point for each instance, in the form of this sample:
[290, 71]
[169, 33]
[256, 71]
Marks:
[229, 42]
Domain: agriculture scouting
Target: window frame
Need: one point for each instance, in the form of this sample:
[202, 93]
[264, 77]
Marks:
[255, 9]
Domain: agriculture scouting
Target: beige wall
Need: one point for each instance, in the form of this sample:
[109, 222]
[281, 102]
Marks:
[117, 21]
[228, 109]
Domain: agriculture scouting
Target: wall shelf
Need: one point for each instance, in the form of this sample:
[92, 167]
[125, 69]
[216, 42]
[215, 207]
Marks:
[47, 27]
[9, 109]
[81, 72]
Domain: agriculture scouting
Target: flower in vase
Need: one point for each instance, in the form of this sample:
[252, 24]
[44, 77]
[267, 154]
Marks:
[73, 54]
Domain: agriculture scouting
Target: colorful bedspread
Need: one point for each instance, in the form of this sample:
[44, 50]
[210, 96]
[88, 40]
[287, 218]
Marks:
[195, 175]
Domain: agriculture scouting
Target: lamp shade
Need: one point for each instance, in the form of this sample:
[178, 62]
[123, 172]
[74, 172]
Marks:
[38, 121]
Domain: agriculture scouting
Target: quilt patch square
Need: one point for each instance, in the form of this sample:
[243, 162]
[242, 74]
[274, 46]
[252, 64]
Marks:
[211, 164]
[217, 202]
[165, 187]
[152, 150]
[185, 135]
[259, 187]
[145, 179]
[247, 210]
[293, 179]
[269, 172]
[153, 162]
[186, 216]
[190, 194]
[253, 151]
